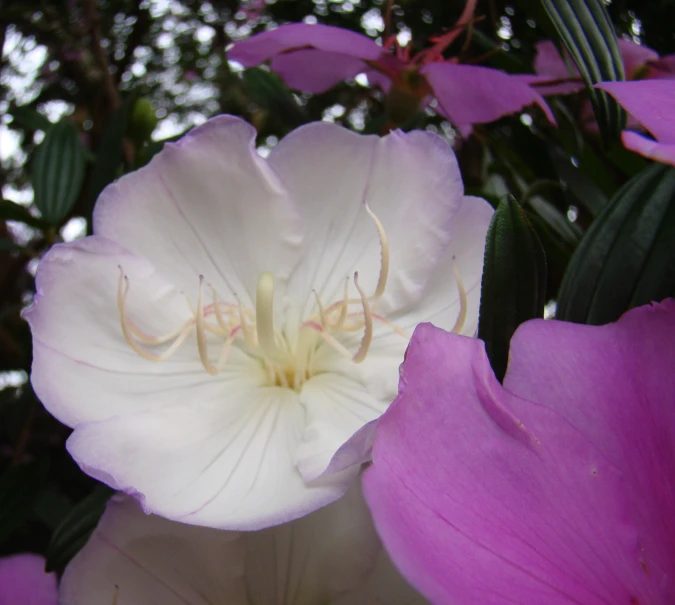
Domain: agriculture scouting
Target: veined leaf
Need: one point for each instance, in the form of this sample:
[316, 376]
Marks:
[513, 289]
[58, 171]
[626, 258]
[586, 31]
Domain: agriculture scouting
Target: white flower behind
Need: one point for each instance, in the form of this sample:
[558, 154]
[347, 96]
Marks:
[234, 320]
[330, 556]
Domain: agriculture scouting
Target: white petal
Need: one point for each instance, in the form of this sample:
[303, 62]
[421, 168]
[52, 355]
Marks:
[206, 205]
[225, 462]
[337, 406]
[410, 181]
[385, 586]
[440, 302]
[83, 369]
[314, 559]
[330, 556]
[141, 559]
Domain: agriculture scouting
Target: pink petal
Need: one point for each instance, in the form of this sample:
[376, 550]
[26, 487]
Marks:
[548, 62]
[649, 148]
[621, 400]
[470, 94]
[269, 44]
[316, 71]
[650, 101]
[23, 581]
[635, 56]
[482, 496]
[662, 68]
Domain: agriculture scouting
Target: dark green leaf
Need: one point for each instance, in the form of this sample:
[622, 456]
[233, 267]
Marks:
[152, 148]
[7, 245]
[74, 531]
[588, 34]
[58, 172]
[267, 90]
[555, 220]
[582, 189]
[627, 257]
[51, 507]
[29, 118]
[11, 211]
[513, 289]
[19, 487]
[109, 154]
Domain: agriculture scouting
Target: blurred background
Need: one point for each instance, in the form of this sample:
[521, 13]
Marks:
[91, 89]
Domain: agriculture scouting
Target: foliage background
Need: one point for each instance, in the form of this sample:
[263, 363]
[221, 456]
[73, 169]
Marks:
[125, 76]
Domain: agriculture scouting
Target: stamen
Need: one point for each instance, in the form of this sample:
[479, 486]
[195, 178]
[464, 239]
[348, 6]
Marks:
[322, 310]
[463, 303]
[264, 317]
[201, 332]
[330, 340]
[245, 328]
[360, 355]
[219, 316]
[225, 351]
[343, 309]
[384, 247]
[133, 334]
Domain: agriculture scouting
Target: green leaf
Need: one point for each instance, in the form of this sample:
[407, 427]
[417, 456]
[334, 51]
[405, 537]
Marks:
[51, 507]
[11, 211]
[568, 232]
[267, 90]
[109, 154]
[582, 189]
[74, 531]
[588, 34]
[19, 487]
[29, 118]
[513, 289]
[58, 172]
[7, 245]
[627, 257]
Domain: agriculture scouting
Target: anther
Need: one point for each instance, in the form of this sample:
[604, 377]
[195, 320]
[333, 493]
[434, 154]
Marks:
[360, 355]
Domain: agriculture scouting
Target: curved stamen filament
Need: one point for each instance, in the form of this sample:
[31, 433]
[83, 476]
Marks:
[245, 328]
[343, 306]
[384, 248]
[132, 334]
[331, 341]
[463, 302]
[201, 332]
[360, 355]
[322, 311]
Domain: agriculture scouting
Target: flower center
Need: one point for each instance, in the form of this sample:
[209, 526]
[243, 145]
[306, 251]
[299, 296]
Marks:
[289, 360]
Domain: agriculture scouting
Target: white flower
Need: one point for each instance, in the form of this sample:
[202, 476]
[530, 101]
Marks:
[212, 344]
[330, 556]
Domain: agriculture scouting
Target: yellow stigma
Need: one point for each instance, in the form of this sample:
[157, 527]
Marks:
[288, 360]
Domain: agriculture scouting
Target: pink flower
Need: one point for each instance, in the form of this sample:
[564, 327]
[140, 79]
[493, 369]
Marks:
[314, 58]
[652, 103]
[556, 487]
[23, 581]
